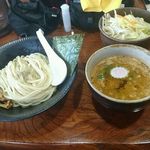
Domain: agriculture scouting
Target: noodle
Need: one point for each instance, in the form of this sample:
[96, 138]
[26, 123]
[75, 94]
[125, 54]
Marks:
[27, 80]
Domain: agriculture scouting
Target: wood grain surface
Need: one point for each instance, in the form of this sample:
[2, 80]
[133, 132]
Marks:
[78, 122]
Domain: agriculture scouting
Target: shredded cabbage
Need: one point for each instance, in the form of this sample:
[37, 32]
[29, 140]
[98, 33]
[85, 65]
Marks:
[126, 27]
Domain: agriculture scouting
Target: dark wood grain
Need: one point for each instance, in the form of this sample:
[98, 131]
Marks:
[78, 122]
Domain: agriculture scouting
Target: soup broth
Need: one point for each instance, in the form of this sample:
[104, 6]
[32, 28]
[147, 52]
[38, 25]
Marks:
[133, 85]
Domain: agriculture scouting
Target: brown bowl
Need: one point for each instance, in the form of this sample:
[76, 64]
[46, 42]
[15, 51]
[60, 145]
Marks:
[137, 12]
[113, 50]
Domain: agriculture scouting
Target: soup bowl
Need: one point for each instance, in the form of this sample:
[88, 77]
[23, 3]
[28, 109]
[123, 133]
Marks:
[133, 51]
[137, 12]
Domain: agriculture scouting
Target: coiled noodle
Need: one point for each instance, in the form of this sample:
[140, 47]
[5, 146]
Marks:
[27, 80]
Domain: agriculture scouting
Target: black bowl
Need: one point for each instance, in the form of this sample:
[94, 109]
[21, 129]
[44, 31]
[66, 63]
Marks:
[27, 46]
[123, 107]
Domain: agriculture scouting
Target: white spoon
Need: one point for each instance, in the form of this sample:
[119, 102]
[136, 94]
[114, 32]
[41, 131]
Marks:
[57, 65]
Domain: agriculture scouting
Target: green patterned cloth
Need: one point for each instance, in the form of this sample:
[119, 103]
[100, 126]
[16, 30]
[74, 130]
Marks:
[68, 47]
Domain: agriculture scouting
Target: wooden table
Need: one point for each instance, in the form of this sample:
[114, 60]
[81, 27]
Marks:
[78, 122]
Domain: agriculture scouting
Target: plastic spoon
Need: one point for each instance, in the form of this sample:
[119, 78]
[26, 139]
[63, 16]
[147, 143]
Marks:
[57, 65]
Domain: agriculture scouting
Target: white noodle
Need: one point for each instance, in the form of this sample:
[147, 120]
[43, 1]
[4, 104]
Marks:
[27, 80]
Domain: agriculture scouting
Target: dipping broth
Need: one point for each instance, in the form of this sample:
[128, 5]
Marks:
[122, 77]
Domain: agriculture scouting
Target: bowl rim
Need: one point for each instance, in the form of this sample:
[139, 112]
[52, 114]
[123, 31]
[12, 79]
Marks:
[126, 101]
[118, 40]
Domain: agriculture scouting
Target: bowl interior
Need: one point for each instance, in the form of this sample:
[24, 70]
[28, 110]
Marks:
[115, 50]
[137, 12]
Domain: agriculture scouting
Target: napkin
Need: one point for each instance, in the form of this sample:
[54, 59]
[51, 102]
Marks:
[99, 5]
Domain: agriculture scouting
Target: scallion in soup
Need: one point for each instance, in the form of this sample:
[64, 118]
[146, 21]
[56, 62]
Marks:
[122, 77]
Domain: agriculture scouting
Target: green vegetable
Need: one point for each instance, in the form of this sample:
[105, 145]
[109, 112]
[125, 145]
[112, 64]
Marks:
[105, 71]
[126, 27]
